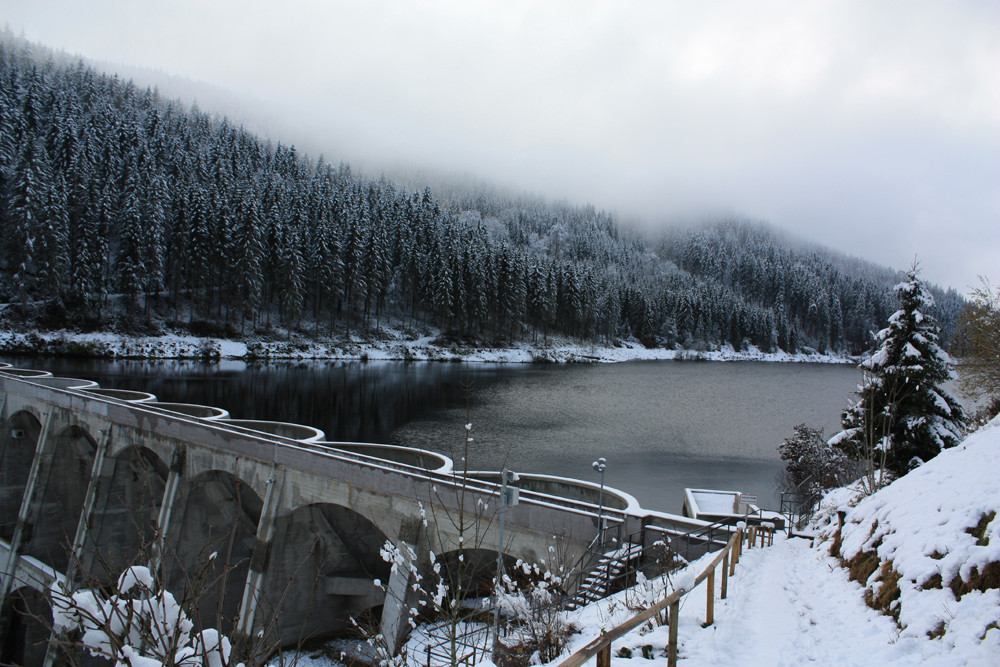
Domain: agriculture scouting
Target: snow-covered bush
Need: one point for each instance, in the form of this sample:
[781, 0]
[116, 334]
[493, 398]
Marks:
[811, 465]
[138, 624]
[537, 627]
[977, 345]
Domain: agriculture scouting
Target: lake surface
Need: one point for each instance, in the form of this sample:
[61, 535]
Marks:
[661, 425]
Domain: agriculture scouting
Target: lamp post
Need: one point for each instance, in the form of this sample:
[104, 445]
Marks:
[599, 466]
[509, 496]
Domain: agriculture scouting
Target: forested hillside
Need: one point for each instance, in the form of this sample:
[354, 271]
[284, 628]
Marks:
[121, 210]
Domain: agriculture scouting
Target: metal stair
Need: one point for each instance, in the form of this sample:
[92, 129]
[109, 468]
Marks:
[606, 575]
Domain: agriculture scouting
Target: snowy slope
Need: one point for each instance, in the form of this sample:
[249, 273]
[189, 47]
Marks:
[792, 604]
[922, 525]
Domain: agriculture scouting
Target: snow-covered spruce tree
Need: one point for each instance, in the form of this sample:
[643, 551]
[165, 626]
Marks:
[903, 416]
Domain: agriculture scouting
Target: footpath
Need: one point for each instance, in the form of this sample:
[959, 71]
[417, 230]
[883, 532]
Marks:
[792, 605]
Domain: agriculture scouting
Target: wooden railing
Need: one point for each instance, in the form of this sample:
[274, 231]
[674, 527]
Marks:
[728, 557]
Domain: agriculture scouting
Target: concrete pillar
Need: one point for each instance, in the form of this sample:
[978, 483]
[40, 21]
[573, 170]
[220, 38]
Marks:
[164, 519]
[260, 560]
[97, 480]
[399, 594]
[33, 490]
[82, 533]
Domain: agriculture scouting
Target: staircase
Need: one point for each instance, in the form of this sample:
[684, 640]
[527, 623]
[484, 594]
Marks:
[607, 575]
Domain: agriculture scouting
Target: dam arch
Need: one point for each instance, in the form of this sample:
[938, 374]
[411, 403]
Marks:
[64, 487]
[18, 442]
[214, 542]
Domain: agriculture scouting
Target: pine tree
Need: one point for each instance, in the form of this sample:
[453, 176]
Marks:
[154, 223]
[130, 269]
[247, 256]
[291, 288]
[51, 249]
[27, 200]
[903, 416]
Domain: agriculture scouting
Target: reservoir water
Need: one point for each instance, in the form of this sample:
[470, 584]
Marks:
[662, 425]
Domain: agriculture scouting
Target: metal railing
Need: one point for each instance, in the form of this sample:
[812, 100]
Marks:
[463, 644]
[609, 533]
[800, 503]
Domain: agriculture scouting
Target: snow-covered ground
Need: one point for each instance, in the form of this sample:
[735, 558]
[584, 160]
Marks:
[793, 603]
[393, 345]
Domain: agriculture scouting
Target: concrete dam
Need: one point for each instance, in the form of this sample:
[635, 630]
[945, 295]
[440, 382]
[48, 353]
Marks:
[279, 530]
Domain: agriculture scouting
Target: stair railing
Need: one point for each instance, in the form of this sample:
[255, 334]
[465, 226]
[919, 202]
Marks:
[584, 566]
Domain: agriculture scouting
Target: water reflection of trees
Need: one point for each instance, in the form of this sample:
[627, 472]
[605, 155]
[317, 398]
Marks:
[351, 401]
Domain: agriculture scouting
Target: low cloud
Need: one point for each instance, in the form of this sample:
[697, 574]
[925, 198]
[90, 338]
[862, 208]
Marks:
[873, 127]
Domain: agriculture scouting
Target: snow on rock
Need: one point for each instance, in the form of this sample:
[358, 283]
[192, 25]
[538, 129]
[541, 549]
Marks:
[923, 524]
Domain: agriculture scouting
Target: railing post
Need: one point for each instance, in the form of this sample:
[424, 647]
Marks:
[604, 656]
[725, 576]
[710, 601]
[675, 609]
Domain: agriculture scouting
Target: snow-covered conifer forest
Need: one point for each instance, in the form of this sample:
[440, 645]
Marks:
[123, 211]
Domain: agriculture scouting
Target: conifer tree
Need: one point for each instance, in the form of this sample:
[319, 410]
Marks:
[247, 256]
[51, 251]
[27, 201]
[903, 416]
[130, 270]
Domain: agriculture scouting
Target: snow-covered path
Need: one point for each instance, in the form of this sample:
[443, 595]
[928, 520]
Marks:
[792, 605]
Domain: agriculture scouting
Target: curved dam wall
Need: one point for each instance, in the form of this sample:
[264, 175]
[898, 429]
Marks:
[278, 500]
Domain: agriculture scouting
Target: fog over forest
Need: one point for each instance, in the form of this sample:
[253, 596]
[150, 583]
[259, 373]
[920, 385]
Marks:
[124, 210]
[868, 127]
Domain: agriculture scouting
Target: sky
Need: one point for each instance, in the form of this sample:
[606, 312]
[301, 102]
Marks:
[872, 127]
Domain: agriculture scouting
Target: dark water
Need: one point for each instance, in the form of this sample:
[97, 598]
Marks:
[662, 426]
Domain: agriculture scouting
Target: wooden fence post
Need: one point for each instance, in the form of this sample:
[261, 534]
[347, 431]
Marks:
[675, 610]
[710, 601]
[725, 577]
[604, 656]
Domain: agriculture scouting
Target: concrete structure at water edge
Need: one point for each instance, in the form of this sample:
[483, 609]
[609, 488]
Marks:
[278, 529]
[728, 507]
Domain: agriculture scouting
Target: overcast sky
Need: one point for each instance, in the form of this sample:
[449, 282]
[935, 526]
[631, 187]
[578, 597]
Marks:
[872, 127]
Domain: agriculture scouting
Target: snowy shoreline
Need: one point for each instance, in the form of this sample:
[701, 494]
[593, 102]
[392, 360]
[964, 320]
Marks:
[395, 347]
